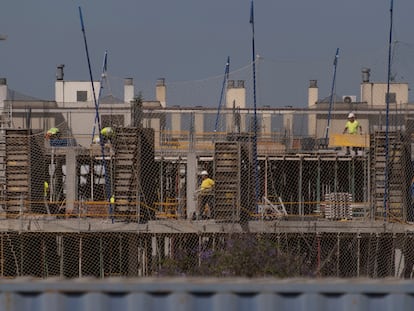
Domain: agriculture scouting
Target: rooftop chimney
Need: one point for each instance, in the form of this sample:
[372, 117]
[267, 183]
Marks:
[365, 75]
[59, 72]
[3, 92]
[312, 93]
[313, 83]
[128, 90]
[312, 101]
[161, 92]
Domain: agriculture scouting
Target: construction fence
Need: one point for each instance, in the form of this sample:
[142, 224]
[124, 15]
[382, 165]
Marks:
[76, 206]
[138, 254]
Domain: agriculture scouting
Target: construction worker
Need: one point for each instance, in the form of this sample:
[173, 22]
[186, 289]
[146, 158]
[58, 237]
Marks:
[45, 188]
[52, 133]
[107, 133]
[96, 139]
[112, 203]
[352, 127]
[205, 195]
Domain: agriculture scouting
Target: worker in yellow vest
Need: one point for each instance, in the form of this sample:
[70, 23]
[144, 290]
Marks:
[205, 196]
[112, 203]
[107, 133]
[52, 133]
[352, 127]
[45, 188]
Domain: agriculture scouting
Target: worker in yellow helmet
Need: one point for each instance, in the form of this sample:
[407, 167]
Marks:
[45, 188]
[112, 203]
[352, 127]
[107, 133]
[53, 132]
[205, 196]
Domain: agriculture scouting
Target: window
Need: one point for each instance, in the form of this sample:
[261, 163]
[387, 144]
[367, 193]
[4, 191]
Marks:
[81, 96]
[392, 98]
[112, 120]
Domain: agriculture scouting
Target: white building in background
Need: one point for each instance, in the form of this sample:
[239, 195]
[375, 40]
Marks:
[370, 110]
[76, 100]
[73, 112]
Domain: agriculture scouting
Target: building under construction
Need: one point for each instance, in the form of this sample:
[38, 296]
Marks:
[346, 215]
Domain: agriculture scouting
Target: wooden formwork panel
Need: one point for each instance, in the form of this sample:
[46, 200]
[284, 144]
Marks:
[345, 140]
[398, 174]
[25, 170]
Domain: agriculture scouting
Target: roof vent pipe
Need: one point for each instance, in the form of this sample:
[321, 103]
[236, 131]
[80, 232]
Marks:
[313, 83]
[160, 82]
[365, 75]
[59, 72]
[128, 81]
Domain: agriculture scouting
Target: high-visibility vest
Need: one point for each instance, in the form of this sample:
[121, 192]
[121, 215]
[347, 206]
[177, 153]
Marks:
[107, 131]
[45, 187]
[96, 139]
[53, 131]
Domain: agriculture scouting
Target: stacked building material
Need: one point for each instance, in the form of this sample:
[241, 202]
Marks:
[338, 205]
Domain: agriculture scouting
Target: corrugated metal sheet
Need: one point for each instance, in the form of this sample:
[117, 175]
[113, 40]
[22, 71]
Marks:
[205, 294]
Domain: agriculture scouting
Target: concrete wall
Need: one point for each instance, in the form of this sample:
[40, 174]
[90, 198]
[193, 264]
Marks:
[374, 93]
[66, 92]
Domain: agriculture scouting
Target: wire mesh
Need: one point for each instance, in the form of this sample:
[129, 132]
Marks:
[130, 204]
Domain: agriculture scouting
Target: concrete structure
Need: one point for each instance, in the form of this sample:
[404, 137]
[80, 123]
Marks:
[235, 101]
[73, 111]
[155, 161]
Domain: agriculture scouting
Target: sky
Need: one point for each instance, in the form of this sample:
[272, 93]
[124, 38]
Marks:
[187, 42]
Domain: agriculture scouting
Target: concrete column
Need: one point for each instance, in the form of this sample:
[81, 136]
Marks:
[70, 179]
[155, 123]
[266, 128]
[230, 128]
[198, 123]
[191, 183]
[288, 127]
[176, 123]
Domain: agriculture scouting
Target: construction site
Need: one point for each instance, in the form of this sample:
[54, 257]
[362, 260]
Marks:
[75, 206]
